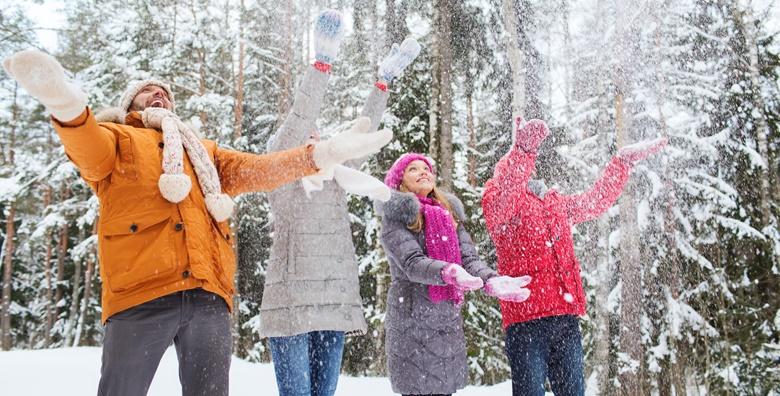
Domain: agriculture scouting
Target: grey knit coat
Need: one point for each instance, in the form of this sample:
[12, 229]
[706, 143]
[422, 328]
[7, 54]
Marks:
[312, 276]
[425, 345]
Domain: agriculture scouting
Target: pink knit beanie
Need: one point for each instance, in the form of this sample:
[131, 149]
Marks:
[396, 173]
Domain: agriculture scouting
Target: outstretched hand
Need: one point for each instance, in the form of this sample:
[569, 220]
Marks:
[455, 275]
[639, 151]
[508, 288]
[354, 143]
[399, 57]
[328, 33]
[44, 78]
[529, 135]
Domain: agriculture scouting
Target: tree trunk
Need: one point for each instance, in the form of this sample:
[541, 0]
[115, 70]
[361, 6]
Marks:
[747, 28]
[10, 231]
[285, 77]
[433, 107]
[630, 274]
[530, 60]
[62, 251]
[49, 290]
[472, 153]
[239, 107]
[515, 59]
[87, 293]
[74, 301]
[446, 162]
[8, 255]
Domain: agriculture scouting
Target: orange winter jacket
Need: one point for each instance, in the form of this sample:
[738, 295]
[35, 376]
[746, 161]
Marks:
[149, 247]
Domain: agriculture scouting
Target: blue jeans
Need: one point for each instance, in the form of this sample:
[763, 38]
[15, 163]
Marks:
[308, 364]
[548, 347]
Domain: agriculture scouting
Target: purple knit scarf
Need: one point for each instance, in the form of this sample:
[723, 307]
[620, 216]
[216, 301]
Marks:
[441, 243]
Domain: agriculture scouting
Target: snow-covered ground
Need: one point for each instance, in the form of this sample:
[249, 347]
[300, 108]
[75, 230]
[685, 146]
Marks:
[75, 371]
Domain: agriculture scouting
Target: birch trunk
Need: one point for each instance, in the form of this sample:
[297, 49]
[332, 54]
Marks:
[10, 231]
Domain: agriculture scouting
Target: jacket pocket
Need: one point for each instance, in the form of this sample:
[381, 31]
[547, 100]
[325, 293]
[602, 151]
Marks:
[137, 250]
[126, 160]
[226, 257]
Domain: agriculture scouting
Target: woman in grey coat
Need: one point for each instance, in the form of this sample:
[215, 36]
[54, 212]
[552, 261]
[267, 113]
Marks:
[432, 263]
[312, 296]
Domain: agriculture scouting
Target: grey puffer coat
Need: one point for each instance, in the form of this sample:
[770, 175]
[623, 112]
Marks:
[312, 277]
[425, 345]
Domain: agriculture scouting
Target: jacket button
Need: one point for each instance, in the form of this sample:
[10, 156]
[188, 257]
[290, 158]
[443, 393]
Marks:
[179, 226]
[133, 227]
[185, 274]
[161, 145]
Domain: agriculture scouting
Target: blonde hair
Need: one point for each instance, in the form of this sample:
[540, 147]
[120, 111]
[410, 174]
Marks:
[438, 196]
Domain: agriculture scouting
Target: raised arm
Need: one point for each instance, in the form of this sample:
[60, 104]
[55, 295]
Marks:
[603, 194]
[503, 194]
[91, 147]
[244, 172]
[300, 122]
[392, 66]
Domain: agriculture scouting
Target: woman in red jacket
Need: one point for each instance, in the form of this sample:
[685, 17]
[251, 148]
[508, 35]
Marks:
[531, 229]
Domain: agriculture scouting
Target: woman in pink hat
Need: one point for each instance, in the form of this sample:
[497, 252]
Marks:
[433, 262]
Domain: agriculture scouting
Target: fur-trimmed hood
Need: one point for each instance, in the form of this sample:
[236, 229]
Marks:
[404, 206]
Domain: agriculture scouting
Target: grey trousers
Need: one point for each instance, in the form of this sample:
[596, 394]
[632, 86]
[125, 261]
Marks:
[196, 321]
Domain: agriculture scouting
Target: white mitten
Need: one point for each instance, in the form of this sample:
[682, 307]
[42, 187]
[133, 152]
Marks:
[44, 78]
[398, 58]
[351, 180]
[354, 143]
[508, 288]
[328, 32]
[455, 275]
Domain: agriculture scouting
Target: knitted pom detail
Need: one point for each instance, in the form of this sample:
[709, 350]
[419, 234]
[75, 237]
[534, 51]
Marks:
[174, 188]
[220, 206]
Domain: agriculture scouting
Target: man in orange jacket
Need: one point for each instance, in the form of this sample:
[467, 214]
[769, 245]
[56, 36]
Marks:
[165, 247]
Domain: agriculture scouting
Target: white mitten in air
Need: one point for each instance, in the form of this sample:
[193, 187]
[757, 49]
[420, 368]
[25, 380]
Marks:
[398, 58]
[44, 78]
[354, 143]
[351, 180]
[328, 32]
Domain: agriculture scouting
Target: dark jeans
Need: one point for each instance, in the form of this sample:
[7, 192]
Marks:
[308, 364]
[551, 348]
[196, 321]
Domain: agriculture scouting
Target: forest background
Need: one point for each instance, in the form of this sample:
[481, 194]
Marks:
[682, 275]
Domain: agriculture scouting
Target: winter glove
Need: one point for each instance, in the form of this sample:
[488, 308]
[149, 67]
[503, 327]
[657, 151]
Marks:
[455, 275]
[354, 143]
[398, 58]
[636, 152]
[508, 288]
[351, 180]
[328, 32]
[44, 78]
[529, 135]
